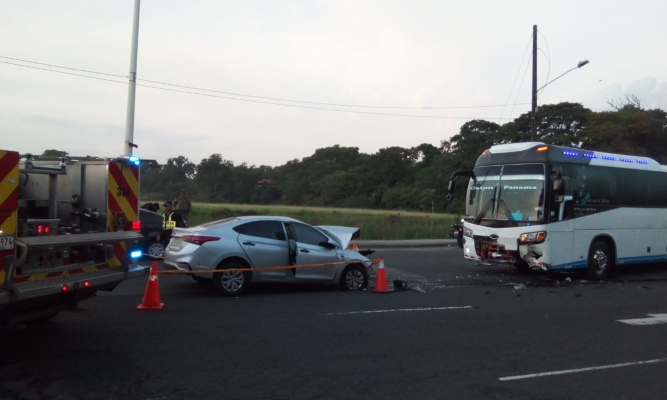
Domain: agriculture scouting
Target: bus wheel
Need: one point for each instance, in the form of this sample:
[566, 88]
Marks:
[600, 260]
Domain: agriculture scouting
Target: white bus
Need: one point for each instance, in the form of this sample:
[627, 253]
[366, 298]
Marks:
[553, 208]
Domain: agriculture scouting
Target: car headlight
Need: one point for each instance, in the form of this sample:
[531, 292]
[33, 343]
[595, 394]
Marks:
[467, 232]
[532, 237]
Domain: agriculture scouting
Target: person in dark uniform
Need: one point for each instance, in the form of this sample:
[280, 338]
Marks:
[170, 220]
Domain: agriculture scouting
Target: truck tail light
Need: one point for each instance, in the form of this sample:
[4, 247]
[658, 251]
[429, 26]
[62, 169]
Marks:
[136, 225]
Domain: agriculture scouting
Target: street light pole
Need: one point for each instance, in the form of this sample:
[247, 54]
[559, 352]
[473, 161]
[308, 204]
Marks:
[533, 123]
[579, 65]
[129, 121]
[533, 127]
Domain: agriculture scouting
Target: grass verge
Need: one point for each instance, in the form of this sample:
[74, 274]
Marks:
[374, 224]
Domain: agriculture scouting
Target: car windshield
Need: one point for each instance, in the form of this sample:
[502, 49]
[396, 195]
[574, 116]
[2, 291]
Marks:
[329, 234]
[511, 192]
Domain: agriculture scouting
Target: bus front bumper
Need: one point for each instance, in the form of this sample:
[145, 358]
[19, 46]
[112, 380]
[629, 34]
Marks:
[487, 250]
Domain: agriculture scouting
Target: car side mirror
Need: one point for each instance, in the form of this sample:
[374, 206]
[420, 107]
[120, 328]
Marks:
[327, 244]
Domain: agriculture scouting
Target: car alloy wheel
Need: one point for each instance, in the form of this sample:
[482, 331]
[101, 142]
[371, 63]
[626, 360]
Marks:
[231, 283]
[156, 250]
[354, 278]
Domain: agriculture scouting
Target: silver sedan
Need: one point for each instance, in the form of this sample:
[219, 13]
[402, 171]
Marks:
[264, 244]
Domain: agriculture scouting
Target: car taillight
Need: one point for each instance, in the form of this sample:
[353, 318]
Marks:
[199, 240]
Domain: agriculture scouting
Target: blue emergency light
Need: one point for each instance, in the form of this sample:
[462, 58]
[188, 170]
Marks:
[131, 160]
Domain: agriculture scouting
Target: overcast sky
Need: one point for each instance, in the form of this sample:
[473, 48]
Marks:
[421, 55]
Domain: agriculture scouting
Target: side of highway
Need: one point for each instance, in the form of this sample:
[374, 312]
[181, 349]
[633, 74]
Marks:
[402, 244]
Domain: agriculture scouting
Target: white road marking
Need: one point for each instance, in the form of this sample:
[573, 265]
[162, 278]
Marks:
[571, 371]
[400, 310]
[655, 319]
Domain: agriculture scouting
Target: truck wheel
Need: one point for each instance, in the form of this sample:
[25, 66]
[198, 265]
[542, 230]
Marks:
[600, 260]
[354, 277]
[155, 250]
[234, 283]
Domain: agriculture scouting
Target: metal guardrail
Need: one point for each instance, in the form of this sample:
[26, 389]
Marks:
[82, 238]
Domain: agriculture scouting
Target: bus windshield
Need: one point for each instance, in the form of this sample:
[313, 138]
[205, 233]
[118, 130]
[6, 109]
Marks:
[511, 192]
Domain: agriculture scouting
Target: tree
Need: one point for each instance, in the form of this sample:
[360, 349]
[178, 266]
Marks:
[213, 178]
[629, 130]
[474, 137]
[53, 154]
[560, 124]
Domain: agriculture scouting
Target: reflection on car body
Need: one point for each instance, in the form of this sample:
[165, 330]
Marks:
[267, 241]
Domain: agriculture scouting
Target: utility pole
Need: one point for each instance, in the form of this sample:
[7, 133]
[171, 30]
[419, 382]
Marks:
[533, 126]
[129, 123]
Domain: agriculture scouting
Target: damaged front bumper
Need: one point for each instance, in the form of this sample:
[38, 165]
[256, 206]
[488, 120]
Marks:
[489, 250]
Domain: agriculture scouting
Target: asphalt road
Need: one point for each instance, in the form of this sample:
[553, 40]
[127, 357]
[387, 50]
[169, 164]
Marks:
[475, 333]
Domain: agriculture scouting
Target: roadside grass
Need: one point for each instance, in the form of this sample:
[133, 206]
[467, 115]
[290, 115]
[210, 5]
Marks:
[374, 224]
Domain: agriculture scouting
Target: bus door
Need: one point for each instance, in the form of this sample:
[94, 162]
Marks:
[561, 233]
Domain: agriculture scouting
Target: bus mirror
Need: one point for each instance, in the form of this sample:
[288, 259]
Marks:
[558, 186]
[558, 189]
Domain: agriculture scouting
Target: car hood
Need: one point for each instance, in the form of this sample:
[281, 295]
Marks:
[344, 233]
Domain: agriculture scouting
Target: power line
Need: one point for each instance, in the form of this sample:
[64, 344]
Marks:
[58, 66]
[548, 55]
[548, 69]
[309, 107]
[61, 72]
[238, 99]
[262, 97]
[514, 83]
[323, 104]
[520, 86]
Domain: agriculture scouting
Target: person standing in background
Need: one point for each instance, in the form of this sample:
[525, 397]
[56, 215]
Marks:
[170, 220]
[183, 206]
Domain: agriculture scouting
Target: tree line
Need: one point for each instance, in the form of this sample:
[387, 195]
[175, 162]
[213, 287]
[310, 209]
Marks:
[397, 178]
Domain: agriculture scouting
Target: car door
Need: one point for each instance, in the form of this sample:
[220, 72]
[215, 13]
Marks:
[265, 244]
[310, 251]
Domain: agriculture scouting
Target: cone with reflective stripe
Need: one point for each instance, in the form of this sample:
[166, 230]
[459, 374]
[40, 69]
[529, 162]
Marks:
[381, 285]
[152, 294]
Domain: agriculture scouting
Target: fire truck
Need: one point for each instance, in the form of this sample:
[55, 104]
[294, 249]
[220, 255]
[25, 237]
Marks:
[68, 228]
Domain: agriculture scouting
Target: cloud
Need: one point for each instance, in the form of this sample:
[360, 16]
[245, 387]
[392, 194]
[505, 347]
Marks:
[650, 93]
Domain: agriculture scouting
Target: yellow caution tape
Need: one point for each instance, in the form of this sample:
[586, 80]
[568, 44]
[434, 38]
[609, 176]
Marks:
[374, 262]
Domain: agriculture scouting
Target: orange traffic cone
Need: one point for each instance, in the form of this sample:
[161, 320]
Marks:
[381, 285]
[152, 294]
